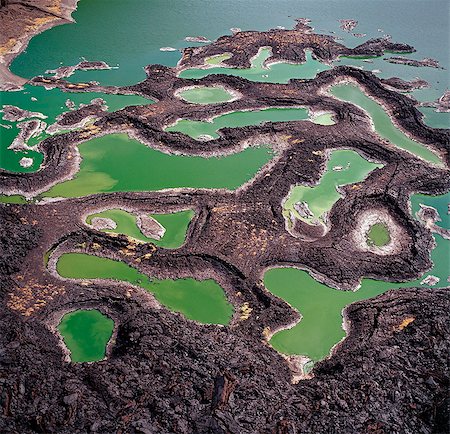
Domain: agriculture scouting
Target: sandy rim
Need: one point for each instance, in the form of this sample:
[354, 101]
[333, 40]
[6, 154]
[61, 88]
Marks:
[366, 220]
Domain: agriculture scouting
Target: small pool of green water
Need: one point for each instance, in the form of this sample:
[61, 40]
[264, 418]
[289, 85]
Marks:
[176, 225]
[378, 235]
[206, 95]
[86, 334]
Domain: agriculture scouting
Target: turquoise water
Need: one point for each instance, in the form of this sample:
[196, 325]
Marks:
[51, 103]
[141, 27]
[275, 73]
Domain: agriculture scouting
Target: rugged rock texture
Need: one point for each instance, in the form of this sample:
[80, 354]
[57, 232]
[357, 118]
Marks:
[287, 45]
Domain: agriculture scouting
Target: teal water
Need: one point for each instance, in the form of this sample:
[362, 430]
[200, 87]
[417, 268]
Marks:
[274, 73]
[132, 32]
[51, 103]
[155, 24]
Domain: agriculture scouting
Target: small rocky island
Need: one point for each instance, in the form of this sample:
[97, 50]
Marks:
[165, 373]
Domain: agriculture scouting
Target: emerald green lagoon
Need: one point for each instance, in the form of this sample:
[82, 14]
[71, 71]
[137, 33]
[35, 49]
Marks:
[343, 167]
[382, 122]
[378, 235]
[117, 163]
[176, 226]
[321, 306]
[206, 95]
[197, 129]
[86, 334]
[203, 301]
[275, 73]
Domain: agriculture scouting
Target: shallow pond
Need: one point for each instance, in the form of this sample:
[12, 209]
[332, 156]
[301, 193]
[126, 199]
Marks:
[118, 163]
[196, 129]
[86, 334]
[378, 235]
[203, 301]
[206, 95]
[343, 167]
[176, 226]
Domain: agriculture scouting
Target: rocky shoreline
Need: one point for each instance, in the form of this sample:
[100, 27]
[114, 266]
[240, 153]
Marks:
[20, 21]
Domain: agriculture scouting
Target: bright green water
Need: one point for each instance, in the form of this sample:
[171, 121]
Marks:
[275, 73]
[382, 122]
[206, 95]
[321, 325]
[15, 198]
[323, 119]
[203, 301]
[86, 334]
[51, 103]
[215, 60]
[195, 129]
[118, 163]
[378, 235]
[324, 195]
[176, 226]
